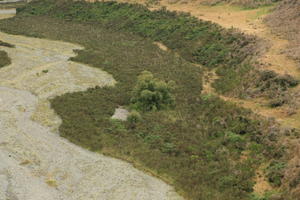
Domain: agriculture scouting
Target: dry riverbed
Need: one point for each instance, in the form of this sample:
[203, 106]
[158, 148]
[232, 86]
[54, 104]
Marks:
[35, 162]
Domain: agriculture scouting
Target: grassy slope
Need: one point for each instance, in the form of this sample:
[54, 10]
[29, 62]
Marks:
[195, 40]
[197, 146]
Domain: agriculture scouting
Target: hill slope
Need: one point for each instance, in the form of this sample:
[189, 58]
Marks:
[285, 20]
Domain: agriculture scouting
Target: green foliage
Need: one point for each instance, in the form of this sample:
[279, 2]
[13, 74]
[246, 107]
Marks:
[236, 140]
[151, 94]
[134, 117]
[269, 195]
[4, 59]
[274, 172]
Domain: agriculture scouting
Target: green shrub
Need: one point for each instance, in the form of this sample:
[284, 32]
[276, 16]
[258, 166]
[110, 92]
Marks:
[295, 181]
[269, 80]
[276, 102]
[274, 173]
[134, 117]
[4, 59]
[151, 94]
[235, 140]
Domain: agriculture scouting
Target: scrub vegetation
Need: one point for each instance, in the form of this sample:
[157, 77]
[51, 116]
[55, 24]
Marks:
[4, 59]
[197, 41]
[195, 142]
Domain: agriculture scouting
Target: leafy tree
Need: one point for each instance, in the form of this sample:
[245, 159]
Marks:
[151, 94]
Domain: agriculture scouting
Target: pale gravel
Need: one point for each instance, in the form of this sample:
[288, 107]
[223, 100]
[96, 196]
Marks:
[35, 162]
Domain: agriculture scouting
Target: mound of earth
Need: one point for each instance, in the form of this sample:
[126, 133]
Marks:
[285, 20]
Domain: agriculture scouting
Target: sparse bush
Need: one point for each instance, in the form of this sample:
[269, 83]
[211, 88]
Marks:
[4, 59]
[134, 117]
[274, 173]
[295, 181]
[270, 80]
[235, 140]
[5, 44]
[277, 102]
[275, 86]
[151, 94]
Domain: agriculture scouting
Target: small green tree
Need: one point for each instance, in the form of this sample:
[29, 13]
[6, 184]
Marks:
[151, 94]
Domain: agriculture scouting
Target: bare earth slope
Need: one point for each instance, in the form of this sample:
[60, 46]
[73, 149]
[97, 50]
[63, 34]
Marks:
[36, 163]
[285, 20]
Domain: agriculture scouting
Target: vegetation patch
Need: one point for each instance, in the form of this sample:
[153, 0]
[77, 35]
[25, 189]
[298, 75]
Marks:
[195, 40]
[151, 94]
[194, 142]
[275, 172]
[4, 59]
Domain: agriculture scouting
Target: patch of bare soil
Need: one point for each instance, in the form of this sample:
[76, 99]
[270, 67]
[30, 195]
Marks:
[36, 163]
[250, 22]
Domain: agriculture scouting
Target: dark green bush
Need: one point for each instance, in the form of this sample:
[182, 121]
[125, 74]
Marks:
[195, 40]
[274, 173]
[134, 117]
[151, 94]
[4, 59]
[270, 80]
[295, 181]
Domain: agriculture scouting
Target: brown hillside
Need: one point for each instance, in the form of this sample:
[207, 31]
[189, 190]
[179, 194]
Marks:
[244, 3]
[285, 20]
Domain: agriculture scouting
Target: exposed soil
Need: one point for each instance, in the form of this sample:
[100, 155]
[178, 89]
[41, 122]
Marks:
[36, 163]
[285, 20]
